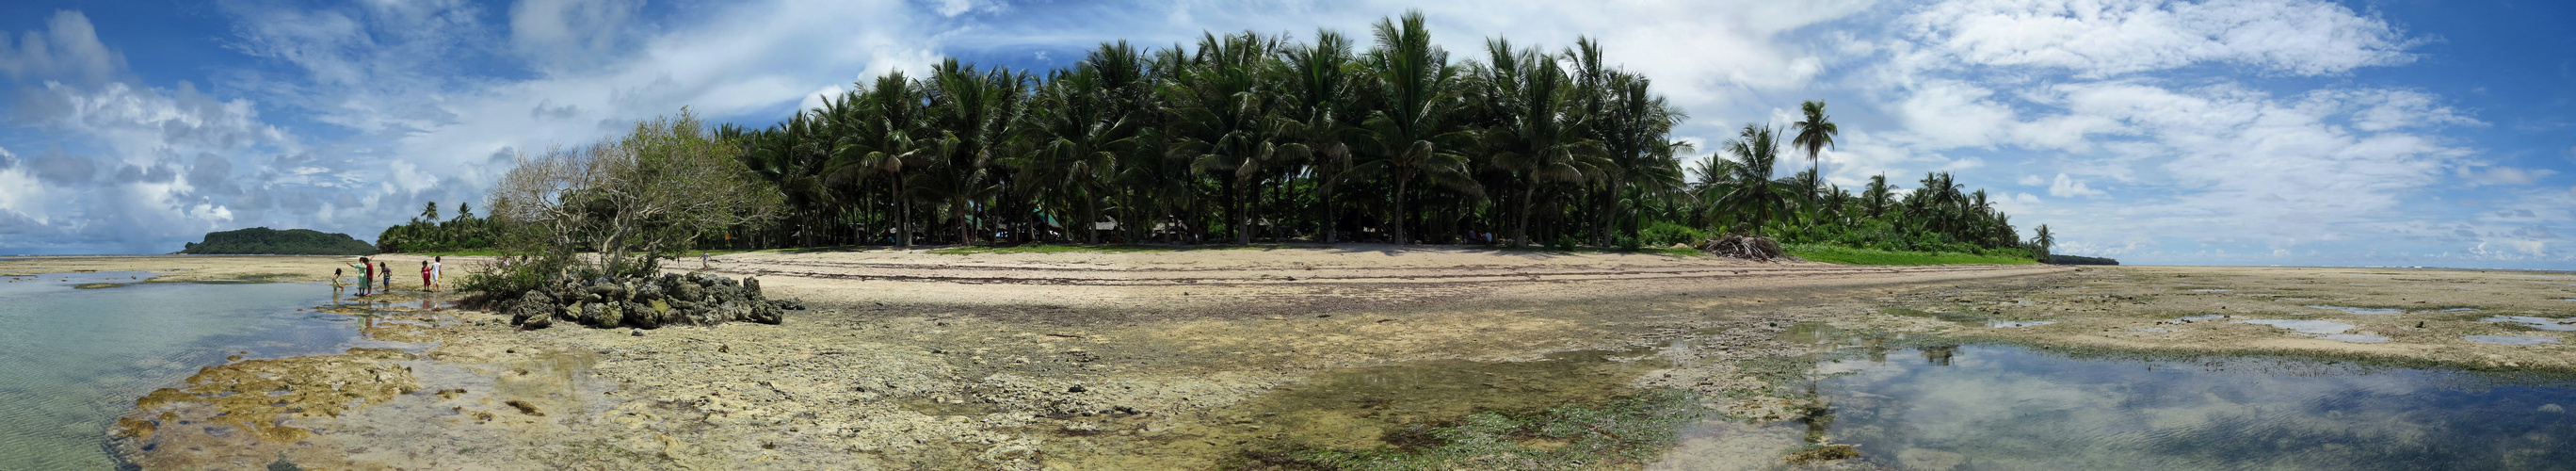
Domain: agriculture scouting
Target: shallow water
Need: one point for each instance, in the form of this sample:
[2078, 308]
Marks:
[2512, 339]
[2541, 323]
[2362, 310]
[77, 358]
[2329, 330]
[1994, 407]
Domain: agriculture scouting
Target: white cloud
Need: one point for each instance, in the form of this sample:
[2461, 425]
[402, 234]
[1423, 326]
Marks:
[2100, 38]
[2505, 175]
[2032, 180]
[556, 35]
[68, 49]
[2065, 186]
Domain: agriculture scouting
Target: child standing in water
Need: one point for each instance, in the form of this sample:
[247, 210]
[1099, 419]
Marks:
[364, 282]
[424, 277]
[387, 269]
[437, 270]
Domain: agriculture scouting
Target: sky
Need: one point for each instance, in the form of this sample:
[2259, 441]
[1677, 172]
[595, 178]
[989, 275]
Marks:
[2221, 132]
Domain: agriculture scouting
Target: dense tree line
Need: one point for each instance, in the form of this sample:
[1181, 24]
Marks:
[426, 233]
[1250, 137]
[265, 241]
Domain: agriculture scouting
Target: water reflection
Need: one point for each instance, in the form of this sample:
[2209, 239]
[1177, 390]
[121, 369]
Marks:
[1989, 407]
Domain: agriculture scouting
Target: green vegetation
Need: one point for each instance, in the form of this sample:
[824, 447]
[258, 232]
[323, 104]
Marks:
[1859, 256]
[265, 241]
[427, 235]
[1240, 139]
[1252, 138]
[1630, 430]
[628, 201]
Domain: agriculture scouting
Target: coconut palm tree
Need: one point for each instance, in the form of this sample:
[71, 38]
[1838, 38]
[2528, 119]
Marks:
[1409, 128]
[1815, 133]
[1753, 197]
[1540, 140]
[1319, 116]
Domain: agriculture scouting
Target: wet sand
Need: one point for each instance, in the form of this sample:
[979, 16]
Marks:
[1195, 360]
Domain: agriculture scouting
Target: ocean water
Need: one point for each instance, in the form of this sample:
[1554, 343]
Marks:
[1997, 407]
[75, 359]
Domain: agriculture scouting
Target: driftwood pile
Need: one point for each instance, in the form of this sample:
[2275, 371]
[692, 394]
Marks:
[1760, 249]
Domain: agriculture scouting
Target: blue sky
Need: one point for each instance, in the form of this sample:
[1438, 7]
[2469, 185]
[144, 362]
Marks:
[2294, 132]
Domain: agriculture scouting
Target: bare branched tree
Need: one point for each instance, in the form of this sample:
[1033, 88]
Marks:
[630, 198]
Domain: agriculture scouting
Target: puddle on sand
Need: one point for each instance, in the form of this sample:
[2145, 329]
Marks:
[2213, 290]
[2329, 330]
[2512, 339]
[2361, 310]
[2542, 323]
[1997, 407]
[2014, 324]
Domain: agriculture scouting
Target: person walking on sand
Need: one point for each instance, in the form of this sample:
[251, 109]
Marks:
[437, 269]
[365, 282]
[424, 277]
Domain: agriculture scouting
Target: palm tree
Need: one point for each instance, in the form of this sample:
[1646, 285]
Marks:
[976, 113]
[1815, 132]
[1539, 140]
[1220, 115]
[2045, 242]
[1317, 99]
[1878, 196]
[1408, 128]
[1754, 196]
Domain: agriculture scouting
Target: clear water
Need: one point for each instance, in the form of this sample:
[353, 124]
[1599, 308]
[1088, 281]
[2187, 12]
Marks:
[2541, 323]
[2329, 330]
[1993, 407]
[2512, 339]
[2362, 310]
[77, 358]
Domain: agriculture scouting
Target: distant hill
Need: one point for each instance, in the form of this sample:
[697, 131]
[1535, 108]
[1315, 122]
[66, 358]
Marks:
[266, 241]
[2075, 260]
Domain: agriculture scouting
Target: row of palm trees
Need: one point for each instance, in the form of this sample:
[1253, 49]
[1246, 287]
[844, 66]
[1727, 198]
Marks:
[1252, 137]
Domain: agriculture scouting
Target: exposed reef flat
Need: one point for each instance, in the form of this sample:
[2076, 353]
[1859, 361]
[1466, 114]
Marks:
[1089, 361]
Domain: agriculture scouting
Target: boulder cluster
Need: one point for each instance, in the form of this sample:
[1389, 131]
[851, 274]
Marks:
[648, 303]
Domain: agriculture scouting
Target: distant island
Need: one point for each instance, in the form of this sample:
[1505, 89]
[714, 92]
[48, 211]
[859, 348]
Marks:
[266, 241]
[2075, 260]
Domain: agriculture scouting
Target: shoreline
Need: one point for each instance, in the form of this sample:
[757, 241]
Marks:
[1154, 367]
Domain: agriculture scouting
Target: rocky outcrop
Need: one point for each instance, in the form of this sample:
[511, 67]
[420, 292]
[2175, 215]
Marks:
[649, 303]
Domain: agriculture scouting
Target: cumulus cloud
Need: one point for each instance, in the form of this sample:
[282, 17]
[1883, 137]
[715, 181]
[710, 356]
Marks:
[68, 49]
[2100, 38]
[2065, 186]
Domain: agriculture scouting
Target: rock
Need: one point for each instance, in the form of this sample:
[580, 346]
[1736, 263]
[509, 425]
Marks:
[751, 286]
[610, 315]
[637, 332]
[539, 322]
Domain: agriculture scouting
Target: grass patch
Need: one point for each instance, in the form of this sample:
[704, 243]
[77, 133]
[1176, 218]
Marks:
[1620, 431]
[1858, 256]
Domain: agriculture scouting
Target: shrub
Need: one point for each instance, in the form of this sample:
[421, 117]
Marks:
[1662, 234]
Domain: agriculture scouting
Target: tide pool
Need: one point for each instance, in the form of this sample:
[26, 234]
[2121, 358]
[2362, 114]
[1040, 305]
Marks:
[77, 358]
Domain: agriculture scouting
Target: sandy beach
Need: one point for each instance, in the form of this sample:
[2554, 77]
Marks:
[1195, 359]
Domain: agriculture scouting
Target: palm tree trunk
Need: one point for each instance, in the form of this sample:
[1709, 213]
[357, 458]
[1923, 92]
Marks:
[1521, 225]
[1397, 226]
